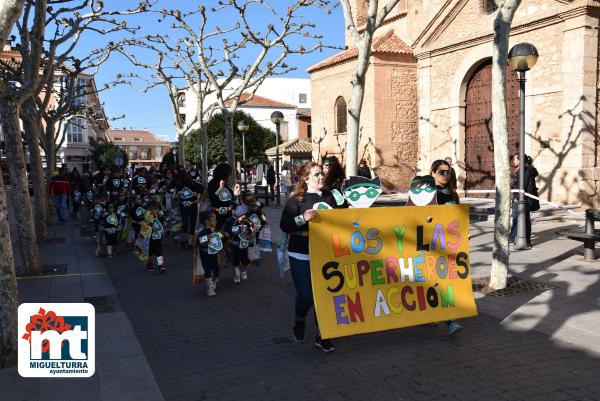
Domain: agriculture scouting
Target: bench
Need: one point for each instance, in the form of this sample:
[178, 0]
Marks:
[262, 192]
[588, 234]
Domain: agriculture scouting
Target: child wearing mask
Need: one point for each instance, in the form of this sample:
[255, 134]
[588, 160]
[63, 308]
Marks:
[76, 199]
[208, 245]
[110, 222]
[240, 230]
[155, 219]
[98, 210]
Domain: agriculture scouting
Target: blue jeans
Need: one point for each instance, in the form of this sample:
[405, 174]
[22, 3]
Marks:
[304, 296]
[61, 206]
[515, 217]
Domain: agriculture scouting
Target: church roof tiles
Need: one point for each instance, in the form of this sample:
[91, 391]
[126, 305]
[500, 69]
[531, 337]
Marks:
[387, 43]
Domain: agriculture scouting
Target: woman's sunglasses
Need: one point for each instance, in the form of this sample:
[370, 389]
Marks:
[443, 173]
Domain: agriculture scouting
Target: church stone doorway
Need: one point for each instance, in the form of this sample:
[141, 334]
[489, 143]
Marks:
[479, 146]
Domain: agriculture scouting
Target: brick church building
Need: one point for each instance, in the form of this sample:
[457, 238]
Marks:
[428, 94]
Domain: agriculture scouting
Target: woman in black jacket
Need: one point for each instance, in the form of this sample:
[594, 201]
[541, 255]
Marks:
[530, 187]
[295, 218]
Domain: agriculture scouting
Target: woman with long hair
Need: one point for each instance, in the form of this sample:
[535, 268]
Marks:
[446, 195]
[295, 219]
[334, 173]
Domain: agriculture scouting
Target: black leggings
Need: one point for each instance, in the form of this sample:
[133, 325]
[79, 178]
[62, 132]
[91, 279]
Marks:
[188, 218]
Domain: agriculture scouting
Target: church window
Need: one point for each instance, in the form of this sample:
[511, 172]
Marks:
[341, 112]
[488, 6]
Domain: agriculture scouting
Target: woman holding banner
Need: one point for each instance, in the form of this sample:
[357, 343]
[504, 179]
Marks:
[446, 195]
[299, 210]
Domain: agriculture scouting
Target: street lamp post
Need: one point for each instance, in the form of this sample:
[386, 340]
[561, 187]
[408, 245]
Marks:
[521, 58]
[243, 127]
[277, 118]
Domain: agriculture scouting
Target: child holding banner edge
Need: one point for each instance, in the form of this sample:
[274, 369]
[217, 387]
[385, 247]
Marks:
[446, 195]
[296, 215]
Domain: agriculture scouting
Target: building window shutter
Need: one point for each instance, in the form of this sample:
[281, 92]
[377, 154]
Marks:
[341, 114]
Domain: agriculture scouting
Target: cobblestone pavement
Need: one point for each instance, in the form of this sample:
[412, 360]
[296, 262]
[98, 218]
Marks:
[237, 346]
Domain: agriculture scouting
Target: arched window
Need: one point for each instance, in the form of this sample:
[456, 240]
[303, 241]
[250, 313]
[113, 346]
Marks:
[341, 112]
[488, 6]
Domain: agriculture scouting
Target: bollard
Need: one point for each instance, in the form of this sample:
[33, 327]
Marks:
[589, 245]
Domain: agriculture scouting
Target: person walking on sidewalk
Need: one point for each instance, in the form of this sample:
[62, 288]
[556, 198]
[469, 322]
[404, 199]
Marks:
[221, 195]
[60, 190]
[295, 218]
[364, 170]
[110, 224]
[188, 193]
[271, 179]
[208, 244]
[286, 182]
[446, 195]
[240, 230]
[156, 220]
[530, 187]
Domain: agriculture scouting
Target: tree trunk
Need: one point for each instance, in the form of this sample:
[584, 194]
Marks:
[356, 102]
[181, 153]
[50, 149]
[33, 125]
[353, 125]
[10, 10]
[204, 141]
[8, 286]
[228, 116]
[9, 116]
[500, 255]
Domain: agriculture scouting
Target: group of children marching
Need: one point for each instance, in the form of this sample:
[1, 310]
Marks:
[220, 227]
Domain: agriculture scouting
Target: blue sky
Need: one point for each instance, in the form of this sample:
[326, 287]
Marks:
[152, 110]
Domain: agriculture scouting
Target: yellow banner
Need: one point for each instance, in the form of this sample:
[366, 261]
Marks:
[388, 267]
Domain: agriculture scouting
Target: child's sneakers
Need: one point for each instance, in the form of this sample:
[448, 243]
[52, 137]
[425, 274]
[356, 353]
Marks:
[163, 268]
[244, 275]
[210, 287]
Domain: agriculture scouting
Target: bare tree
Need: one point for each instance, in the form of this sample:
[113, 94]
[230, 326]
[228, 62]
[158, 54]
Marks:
[176, 68]
[9, 12]
[362, 40]
[500, 256]
[267, 41]
[14, 89]
[40, 53]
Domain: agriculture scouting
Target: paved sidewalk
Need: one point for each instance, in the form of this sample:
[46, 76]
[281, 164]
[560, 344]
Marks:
[171, 340]
[122, 371]
[237, 345]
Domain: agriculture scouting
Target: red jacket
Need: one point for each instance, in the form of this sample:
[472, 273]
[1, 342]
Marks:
[59, 186]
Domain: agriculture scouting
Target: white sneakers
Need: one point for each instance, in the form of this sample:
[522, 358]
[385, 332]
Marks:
[236, 275]
[244, 275]
[210, 287]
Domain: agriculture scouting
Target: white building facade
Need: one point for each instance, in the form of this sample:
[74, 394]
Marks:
[291, 96]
